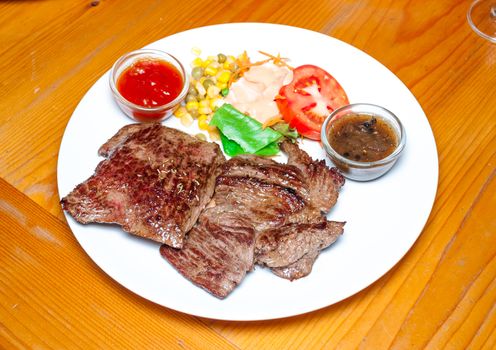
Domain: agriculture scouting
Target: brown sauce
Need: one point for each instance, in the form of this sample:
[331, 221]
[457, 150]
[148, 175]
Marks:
[362, 138]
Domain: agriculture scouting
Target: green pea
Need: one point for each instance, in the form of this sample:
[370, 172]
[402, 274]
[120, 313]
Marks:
[207, 83]
[190, 98]
[194, 113]
[197, 73]
[221, 58]
[192, 91]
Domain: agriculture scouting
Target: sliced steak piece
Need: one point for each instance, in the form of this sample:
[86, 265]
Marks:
[300, 268]
[219, 249]
[255, 202]
[269, 172]
[285, 245]
[258, 200]
[213, 257]
[323, 182]
[154, 183]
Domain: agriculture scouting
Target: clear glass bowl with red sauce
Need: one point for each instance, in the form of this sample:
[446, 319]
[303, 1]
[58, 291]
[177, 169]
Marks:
[148, 85]
[363, 140]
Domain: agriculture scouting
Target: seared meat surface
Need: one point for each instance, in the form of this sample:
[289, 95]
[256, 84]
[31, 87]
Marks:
[154, 182]
[262, 212]
[285, 245]
[323, 182]
[213, 257]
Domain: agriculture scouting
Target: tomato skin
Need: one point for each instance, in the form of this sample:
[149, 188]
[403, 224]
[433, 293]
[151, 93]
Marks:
[305, 107]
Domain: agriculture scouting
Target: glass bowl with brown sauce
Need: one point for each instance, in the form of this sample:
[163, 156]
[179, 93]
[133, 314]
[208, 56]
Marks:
[363, 140]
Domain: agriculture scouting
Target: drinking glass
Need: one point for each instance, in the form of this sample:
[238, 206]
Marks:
[482, 18]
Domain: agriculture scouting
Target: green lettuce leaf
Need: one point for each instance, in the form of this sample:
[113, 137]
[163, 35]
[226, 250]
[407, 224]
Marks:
[231, 148]
[284, 129]
[245, 131]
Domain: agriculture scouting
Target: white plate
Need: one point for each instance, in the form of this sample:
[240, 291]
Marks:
[384, 217]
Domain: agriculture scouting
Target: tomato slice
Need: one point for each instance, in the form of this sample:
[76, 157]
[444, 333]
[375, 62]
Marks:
[309, 98]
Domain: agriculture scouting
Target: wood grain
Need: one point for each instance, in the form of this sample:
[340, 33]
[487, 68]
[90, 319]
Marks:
[441, 295]
[48, 286]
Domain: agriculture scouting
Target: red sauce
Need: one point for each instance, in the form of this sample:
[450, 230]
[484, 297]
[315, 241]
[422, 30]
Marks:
[150, 83]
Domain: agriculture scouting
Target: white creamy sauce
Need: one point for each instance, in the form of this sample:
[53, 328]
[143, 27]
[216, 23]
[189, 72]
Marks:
[254, 93]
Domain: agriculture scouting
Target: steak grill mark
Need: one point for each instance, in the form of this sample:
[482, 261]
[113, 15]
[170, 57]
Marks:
[263, 213]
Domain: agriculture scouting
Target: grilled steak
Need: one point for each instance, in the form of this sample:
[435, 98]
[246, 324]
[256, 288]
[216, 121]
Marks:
[300, 268]
[285, 245]
[154, 182]
[323, 182]
[213, 257]
[262, 212]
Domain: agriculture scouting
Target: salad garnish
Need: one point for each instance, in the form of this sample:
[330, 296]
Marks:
[247, 132]
[235, 99]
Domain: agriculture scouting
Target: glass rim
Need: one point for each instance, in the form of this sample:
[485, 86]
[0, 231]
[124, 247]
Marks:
[356, 164]
[474, 27]
[165, 56]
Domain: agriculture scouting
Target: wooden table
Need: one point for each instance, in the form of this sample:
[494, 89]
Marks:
[442, 294]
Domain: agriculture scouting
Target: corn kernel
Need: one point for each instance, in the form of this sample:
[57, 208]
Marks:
[203, 122]
[214, 64]
[213, 91]
[214, 135]
[196, 51]
[203, 103]
[191, 105]
[201, 90]
[194, 113]
[204, 110]
[206, 63]
[201, 136]
[227, 65]
[221, 85]
[204, 126]
[197, 62]
[224, 76]
[215, 103]
[180, 112]
[186, 120]
[209, 70]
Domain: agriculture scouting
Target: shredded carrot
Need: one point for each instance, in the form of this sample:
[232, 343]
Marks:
[243, 68]
[244, 64]
[258, 63]
[272, 121]
[278, 60]
[243, 59]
